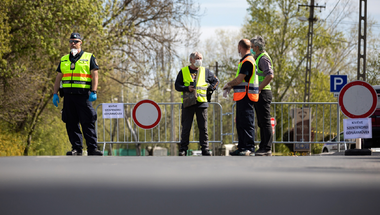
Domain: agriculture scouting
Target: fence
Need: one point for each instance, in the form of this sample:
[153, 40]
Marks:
[300, 124]
[168, 131]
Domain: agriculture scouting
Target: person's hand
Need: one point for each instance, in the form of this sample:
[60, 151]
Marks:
[55, 100]
[191, 88]
[92, 97]
[226, 87]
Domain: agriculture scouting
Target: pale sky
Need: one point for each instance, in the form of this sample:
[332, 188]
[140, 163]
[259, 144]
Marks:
[230, 14]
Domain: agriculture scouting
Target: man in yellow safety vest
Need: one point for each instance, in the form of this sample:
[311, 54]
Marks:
[78, 72]
[189, 79]
[262, 107]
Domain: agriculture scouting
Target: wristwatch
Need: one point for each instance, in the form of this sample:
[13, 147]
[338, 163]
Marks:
[94, 91]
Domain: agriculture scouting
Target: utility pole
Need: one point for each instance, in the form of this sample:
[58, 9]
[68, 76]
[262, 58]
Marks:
[312, 19]
[217, 111]
[362, 56]
[217, 73]
[173, 147]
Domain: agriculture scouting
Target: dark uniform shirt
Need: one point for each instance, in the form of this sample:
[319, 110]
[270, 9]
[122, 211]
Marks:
[74, 59]
[211, 79]
[246, 68]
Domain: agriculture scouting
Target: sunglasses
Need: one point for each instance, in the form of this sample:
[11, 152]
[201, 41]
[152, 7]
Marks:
[74, 41]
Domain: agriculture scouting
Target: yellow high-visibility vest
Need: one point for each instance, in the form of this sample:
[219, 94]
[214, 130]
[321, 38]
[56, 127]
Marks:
[201, 86]
[261, 73]
[80, 75]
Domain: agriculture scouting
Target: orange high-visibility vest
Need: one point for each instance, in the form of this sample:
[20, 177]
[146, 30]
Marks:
[252, 87]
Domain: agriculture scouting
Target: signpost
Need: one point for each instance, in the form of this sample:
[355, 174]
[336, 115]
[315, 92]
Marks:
[358, 101]
[357, 128]
[113, 110]
[302, 128]
[337, 82]
[273, 124]
[146, 114]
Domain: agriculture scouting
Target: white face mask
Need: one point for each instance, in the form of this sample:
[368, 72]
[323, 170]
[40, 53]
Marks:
[74, 52]
[198, 63]
[240, 54]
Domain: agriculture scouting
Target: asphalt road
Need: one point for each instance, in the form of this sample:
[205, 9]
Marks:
[190, 185]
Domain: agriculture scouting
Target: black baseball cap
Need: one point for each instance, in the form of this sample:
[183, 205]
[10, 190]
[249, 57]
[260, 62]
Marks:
[75, 36]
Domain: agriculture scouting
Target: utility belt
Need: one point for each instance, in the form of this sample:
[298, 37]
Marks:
[73, 91]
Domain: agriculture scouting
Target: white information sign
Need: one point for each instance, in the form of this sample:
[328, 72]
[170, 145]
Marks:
[113, 110]
[357, 128]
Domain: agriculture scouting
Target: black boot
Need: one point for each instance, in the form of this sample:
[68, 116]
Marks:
[206, 152]
[74, 152]
[95, 152]
[182, 153]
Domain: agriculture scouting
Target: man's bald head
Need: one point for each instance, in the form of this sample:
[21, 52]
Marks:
[245, 44]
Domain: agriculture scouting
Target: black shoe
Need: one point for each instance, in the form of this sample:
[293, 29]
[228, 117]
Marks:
[240, 152]
[74, 152]
[235, 153]
[206, 153]
[263, 153]
[182, 153]
[95, 152]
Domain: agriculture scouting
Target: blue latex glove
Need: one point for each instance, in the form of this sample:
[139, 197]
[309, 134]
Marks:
[55, 100]
[92, 97]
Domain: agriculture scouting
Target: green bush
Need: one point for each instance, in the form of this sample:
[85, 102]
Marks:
[11, 144]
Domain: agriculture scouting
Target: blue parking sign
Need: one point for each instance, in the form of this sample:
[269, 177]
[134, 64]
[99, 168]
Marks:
[337, 82]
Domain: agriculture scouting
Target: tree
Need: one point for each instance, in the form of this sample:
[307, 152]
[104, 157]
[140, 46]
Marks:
[123, 35]
[38, 37]
[286, 42]
[143, 34]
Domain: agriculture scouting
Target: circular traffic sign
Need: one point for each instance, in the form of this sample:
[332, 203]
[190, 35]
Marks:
[358, 99]
[146, 114]
[273, 123]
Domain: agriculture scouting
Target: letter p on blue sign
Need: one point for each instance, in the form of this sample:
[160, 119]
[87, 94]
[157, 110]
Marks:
[337, 82]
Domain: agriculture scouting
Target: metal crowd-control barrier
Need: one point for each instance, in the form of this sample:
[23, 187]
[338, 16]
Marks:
[323, 119]
[168, 131]
[324, 122]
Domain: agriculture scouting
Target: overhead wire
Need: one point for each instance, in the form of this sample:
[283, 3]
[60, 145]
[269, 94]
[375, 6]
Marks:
[332, 10]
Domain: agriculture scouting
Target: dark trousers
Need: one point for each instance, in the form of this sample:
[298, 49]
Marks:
[245, 124]
[262, 108]
[78, 109]
[187, 121]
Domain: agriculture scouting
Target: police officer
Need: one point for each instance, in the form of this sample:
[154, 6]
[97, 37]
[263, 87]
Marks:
[78, 72]
[262, 107]
[189, 79]
[246, 91]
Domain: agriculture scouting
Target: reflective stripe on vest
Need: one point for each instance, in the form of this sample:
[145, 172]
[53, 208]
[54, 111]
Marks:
[261, 73]
[252, 88]
[80, 77]
[201, 86]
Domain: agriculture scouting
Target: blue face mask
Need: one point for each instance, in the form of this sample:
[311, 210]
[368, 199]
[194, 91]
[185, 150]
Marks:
[253, 52]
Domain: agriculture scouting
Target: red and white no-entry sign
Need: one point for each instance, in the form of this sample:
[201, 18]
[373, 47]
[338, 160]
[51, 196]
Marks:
[358, 99]
[146, 114]
[273, 123]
